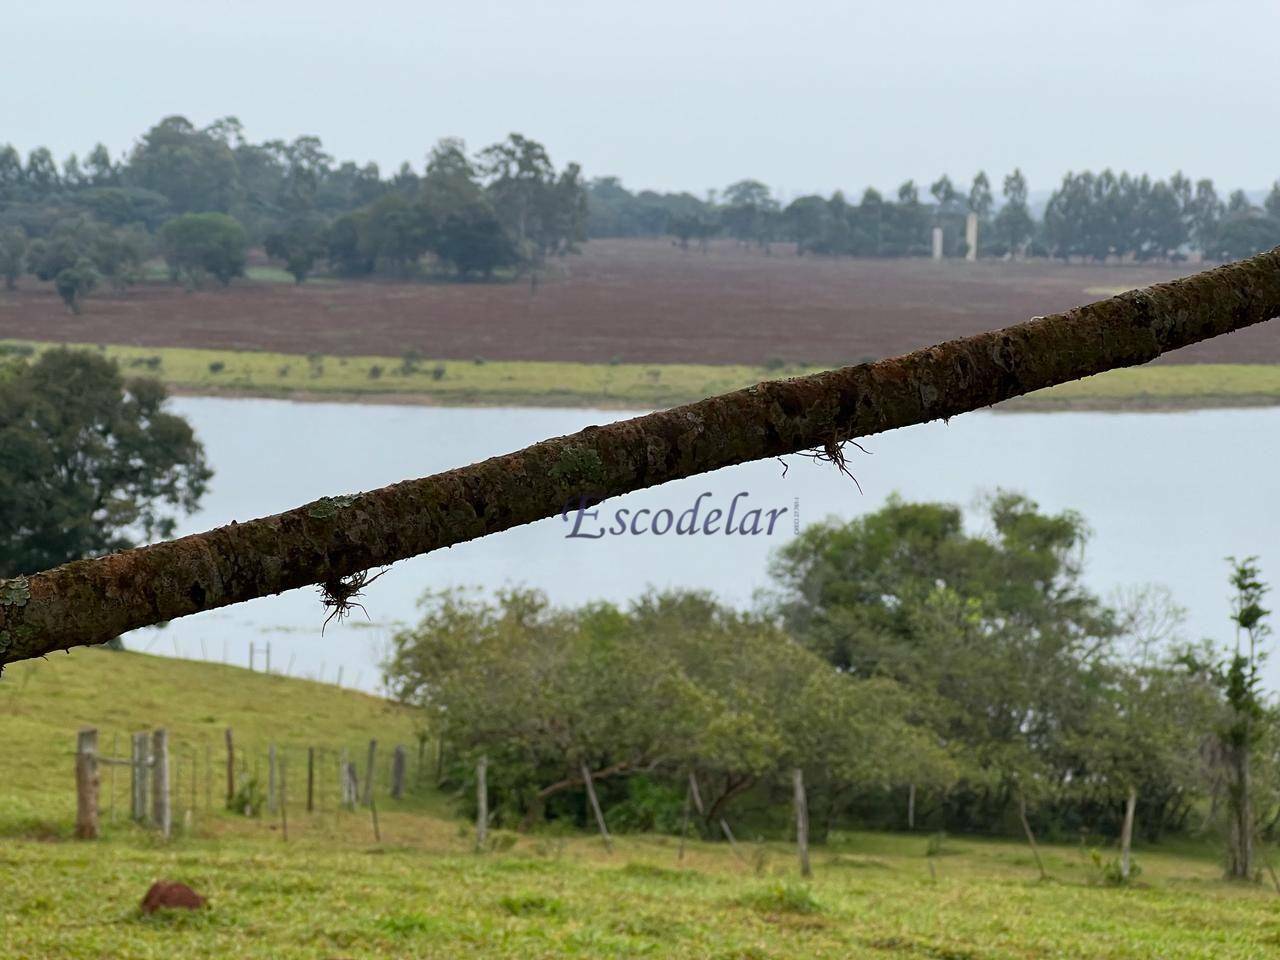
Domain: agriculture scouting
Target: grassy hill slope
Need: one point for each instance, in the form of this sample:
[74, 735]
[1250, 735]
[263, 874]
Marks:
[332, 890]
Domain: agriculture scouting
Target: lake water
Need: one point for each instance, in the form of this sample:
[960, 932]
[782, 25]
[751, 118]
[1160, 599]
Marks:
[1168, 496]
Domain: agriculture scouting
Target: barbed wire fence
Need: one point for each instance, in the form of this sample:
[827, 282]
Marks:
[171, 786]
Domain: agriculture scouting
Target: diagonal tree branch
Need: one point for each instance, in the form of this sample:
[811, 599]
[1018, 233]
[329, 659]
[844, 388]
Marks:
[92, 601]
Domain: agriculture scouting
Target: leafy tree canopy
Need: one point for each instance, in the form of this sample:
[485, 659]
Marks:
[89, 462]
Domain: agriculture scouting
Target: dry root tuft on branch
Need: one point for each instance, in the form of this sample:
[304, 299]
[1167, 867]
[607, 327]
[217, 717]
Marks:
[833, 452]
[338, 596]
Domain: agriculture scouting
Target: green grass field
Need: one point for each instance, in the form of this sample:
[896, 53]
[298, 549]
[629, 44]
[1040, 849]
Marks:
[331, 890]
[643, 386]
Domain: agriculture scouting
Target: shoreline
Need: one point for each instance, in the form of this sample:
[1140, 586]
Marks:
[1028, 404]
[413, 380]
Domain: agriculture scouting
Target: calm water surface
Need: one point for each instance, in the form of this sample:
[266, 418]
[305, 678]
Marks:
[1168, 496]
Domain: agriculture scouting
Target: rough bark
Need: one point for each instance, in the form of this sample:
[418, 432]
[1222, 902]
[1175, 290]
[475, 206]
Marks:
[1240, 831]
[93, 601]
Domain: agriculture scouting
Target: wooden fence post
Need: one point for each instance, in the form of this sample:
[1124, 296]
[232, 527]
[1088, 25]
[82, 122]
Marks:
[271, 778]
[231, 769]
[482, 803]
[595, 807]
[284, 803]
[1031, 837]
[368, 773]
[684, 820]
[351, 785]
[802, 821]
[195, 780]
[397, 772]
[1126, 832]
[724, 824]
[138, 779]
[311, 778]
[343, 787]
[161, 816]
[111, 789]
[87, 784]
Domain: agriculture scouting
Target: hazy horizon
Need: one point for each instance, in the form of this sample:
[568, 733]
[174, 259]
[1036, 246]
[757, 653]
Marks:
[682, 96]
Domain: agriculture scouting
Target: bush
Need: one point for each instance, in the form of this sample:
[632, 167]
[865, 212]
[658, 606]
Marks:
[649, 808]
[248, 800]
[1109, 873]
[781, 898]
[531, 904]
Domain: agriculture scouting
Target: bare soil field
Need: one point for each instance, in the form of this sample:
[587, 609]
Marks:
[638, 301]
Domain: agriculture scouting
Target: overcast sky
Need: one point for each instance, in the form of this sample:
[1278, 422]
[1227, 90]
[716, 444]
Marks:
[678, 94]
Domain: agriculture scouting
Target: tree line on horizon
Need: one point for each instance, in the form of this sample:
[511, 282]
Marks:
[915, 673]
[202, 197]
[1090, 216]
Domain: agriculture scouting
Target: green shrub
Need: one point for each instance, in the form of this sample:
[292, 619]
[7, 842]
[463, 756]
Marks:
[785, 897]
[649, 808]
[249, 800]
[1109, 873]
[531, 904]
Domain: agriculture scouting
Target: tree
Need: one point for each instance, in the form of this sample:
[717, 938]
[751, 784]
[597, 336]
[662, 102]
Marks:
[1243, 236]
[1203, 215]
[197, 245]
[396, 231]
[1272, 203]
[1137, 754]
[299, 243]
[452, 182]
[1243, 733]
[543, 692]
[544, 213]
[41, 175]
[750, 212]
[944, 191]
[12, 178]
[102, 172]
[472, 240]
[89, 462]
[1013, 224]
[980, 199]
[348, 249]
[195, 169]
[80, 252]
[995, 636]
[75, 282]
[13, 255]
